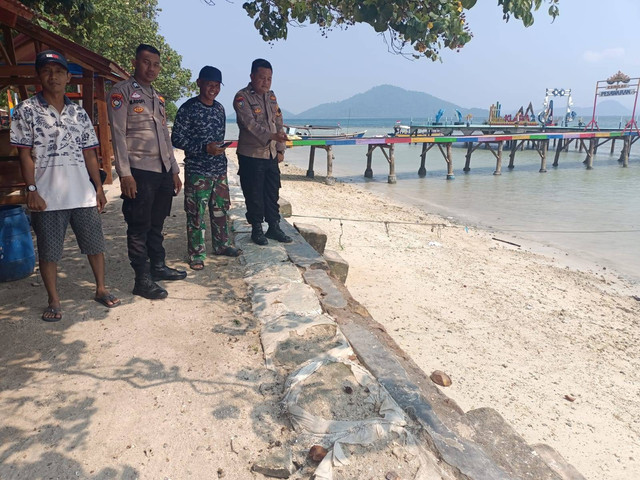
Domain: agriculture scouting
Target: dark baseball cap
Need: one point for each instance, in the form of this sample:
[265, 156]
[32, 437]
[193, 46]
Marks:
[211, 74]
[50, 56]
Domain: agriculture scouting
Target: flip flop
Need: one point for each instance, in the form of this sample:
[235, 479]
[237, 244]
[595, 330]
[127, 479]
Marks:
[56, 312]
[196, 265]
[229, 251]
[108, 300]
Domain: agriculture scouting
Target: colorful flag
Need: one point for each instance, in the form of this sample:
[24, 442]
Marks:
[10, 99]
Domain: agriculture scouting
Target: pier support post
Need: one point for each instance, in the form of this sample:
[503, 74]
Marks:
[450, 175]
[368, 173]
[330, 180]
[558, 150]
[392, 164]
[467, 161]
[624, 154]
[613, 145]
[422, 171]
[498, 170]
[589, 160]
[512, 155]
[312, 155]
[543, 154]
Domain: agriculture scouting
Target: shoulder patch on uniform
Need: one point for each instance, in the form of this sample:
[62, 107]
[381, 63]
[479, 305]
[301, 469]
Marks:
[116, 100]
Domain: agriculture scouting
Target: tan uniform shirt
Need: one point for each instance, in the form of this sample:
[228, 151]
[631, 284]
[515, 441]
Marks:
[258, 117]
[139, 130]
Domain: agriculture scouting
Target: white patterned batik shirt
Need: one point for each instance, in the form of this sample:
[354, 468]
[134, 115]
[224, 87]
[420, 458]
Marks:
[57, 140]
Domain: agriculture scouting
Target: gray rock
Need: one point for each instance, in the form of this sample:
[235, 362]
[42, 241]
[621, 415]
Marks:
[277, 464]
[313, 235]
[338, 266]
[285, 208]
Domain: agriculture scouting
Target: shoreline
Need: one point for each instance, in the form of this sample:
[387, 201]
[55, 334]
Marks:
[517, 329]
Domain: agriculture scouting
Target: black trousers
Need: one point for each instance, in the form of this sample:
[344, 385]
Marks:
[260, 182]
[145, 216]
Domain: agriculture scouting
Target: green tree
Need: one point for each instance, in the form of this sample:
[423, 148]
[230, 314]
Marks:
[427, 25]
[114, 28]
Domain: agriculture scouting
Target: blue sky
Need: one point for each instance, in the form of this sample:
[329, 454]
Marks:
[590, 41]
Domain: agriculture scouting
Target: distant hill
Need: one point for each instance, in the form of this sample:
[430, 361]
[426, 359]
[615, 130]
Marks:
[604, 107]
[387, 101]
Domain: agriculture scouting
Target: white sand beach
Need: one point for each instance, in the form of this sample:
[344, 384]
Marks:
[553, 348]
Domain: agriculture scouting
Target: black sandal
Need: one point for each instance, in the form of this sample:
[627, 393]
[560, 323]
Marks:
[196, 265]
[229, 251]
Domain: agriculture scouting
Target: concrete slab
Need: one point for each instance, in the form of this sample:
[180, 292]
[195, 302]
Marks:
[456, 451]
[506, 447]
[292, 298]
[300, 252]
[329, 294]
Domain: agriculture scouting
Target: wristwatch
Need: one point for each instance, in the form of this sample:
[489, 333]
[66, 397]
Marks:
[32, 188]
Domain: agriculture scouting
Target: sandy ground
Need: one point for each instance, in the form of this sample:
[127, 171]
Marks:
[169, 389]
[177, 388]
[554, 349]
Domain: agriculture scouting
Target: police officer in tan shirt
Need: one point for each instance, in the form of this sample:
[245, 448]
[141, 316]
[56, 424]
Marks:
[261, 145]
[148, 170]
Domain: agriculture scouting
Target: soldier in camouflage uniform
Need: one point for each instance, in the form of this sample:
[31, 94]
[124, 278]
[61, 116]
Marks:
[199, 130]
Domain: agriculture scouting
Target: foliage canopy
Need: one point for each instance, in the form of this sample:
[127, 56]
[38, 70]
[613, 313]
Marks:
[114, 28]
[428, 25]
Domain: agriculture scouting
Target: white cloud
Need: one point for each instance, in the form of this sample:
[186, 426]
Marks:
[594, 57]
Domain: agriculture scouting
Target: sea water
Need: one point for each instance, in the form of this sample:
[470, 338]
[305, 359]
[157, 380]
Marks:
[591, 214]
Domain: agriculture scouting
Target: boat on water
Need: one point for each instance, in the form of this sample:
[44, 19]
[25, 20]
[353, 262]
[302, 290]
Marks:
[319, 132]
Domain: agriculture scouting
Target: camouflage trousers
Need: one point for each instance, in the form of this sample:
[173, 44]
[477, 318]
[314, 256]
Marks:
[201, 192]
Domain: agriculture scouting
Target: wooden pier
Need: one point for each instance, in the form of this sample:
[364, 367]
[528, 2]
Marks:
[542, 142]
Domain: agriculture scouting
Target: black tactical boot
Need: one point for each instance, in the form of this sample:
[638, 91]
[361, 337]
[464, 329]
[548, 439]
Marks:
[257, 235]
[147, 288]
[162, 272]
[276, 233]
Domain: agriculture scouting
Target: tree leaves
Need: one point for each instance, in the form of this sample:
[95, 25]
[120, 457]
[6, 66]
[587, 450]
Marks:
[427, 26]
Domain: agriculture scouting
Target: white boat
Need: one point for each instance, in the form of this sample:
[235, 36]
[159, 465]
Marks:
[319, 132]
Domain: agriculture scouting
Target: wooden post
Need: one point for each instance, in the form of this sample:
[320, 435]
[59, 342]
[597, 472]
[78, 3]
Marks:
[467, 161]
[558, 150]
[499, 159]
[450, 175]
[392, 164]
[613, 145]
[368, 173]
[330, 180]
[312, 155]
[422, 171]
[543, 155]
[106, 149]
[624, 155]
[512, 155]
[589, 159]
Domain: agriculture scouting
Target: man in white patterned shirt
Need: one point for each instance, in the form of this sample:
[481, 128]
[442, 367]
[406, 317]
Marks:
[57, 147]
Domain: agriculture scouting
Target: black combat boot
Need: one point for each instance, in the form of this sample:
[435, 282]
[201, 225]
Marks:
[162, 272]
[276, 233]
[257, 235]
[147, 288]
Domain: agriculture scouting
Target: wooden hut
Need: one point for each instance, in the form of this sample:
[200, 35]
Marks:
[22, 39]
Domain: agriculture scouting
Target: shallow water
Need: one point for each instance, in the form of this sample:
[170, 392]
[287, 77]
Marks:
[594, 214]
